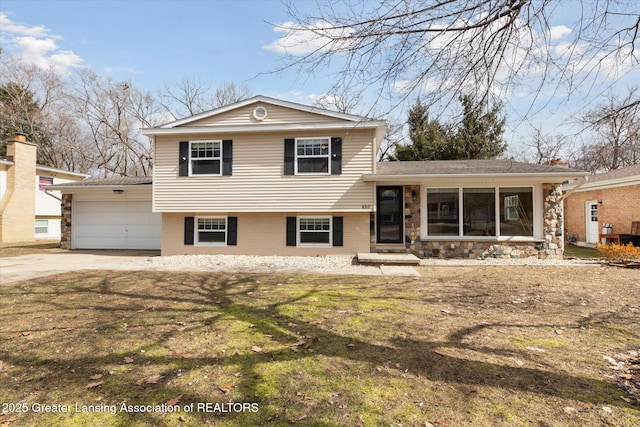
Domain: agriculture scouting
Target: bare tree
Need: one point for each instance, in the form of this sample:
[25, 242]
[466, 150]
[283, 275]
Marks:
[112, 112]
[191, 96]
[546, 149]
[444, 49]
[33, 103]
[615, 126]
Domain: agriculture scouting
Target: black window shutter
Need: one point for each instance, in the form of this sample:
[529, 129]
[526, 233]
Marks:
[227, 156]
[232, 230]
[183, 159]
[337, 231]
[188, 230]
[291, 231]
[289, 156]
[336, 156]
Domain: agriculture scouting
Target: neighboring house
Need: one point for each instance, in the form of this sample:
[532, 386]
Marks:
[265, 176]
[608, 198]
[27, 210]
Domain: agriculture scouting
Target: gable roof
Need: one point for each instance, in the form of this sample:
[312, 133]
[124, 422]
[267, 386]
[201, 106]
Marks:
[405, 171]
[629, 175]
[337, 120]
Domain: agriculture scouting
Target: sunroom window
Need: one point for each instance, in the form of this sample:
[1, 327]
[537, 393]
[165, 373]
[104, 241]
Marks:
[488, 212]
[479, 211]
[443, 219]
[516, 211]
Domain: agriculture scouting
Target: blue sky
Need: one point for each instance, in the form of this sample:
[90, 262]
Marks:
[156, 43]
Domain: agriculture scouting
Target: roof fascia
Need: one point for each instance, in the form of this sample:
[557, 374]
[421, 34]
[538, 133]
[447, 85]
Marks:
[61, 171]
[195, 130]
[63, 187]
[439, 178]
[608, 183]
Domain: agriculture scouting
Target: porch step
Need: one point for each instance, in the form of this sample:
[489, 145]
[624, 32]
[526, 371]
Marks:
[388, 258]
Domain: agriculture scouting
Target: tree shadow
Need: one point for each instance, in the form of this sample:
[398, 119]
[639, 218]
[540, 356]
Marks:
[212, 298]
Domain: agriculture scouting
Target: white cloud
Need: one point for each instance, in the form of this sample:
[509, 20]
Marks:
[36, 46]
[297, 40]
[559, 31]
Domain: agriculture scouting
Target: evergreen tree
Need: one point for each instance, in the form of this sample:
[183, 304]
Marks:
[477, 136]
[19, 112]
[429, 138]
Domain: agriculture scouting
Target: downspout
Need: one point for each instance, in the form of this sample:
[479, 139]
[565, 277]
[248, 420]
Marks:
[570, 192]
[51, 195]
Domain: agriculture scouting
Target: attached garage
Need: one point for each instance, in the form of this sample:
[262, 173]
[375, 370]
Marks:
[110, 214]
[126, 224]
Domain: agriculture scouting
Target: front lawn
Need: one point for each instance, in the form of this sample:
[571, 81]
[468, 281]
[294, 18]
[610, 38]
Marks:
[499, 345]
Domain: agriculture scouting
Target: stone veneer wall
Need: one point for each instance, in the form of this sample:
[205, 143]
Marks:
[551, 248]
[65, 223]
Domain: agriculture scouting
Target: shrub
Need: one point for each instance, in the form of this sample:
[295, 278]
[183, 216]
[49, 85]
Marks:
[615, 252]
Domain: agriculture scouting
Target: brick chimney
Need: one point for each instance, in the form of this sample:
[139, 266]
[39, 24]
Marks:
[18, 204]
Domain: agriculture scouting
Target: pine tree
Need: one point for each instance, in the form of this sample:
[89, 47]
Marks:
[477, 136]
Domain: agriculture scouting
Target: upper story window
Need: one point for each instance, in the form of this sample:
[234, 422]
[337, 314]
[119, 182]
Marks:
[312, 155]
[43, 181]
[206, 157]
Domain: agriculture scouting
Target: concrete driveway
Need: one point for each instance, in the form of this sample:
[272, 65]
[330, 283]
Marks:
[32, 266]
[26, 267]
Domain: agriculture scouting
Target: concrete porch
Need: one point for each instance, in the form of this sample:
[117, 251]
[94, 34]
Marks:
[387, 258]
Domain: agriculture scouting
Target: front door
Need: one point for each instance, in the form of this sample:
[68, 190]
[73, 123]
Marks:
[390, 214]
[591, 217]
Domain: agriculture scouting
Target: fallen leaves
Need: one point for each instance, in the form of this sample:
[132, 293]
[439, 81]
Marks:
[128, 360]
[19, 334]
[627, 367]
[174, 401]
[153, 379]
[226, 388]
[94, 385]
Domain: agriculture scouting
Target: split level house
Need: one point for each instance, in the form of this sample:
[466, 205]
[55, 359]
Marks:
[265, 176]
[28, 211]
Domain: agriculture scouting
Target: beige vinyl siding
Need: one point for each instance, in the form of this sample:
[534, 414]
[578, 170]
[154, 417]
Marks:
[258, 183]
[264, 234]
[275, 115]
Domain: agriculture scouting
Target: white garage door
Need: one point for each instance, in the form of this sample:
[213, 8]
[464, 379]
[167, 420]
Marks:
[115, 225]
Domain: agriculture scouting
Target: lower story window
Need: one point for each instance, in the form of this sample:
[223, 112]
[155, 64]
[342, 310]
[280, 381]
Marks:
[42, 226]
[212, 231]
[314, 231]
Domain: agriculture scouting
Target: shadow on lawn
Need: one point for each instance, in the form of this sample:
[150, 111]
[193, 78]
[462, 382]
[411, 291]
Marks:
[212, 298]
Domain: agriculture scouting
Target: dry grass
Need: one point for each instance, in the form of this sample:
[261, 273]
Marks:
[458, 346]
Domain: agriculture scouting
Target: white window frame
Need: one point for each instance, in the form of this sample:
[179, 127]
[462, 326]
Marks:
[497, 236]
[314, 245]
[196, 231]
[313, 156]
[191, 158]
[46, 226]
